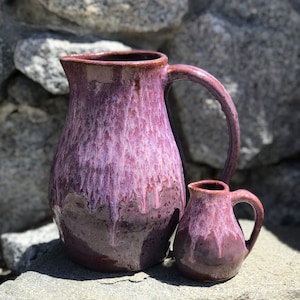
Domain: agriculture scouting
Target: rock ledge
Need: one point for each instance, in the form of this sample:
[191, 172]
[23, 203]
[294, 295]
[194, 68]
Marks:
[270, 272]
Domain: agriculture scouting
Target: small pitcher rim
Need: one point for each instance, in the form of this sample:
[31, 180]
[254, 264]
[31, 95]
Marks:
[200, 186]
[102, 58]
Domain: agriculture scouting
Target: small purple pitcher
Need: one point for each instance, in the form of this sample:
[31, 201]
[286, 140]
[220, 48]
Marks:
[209, 244]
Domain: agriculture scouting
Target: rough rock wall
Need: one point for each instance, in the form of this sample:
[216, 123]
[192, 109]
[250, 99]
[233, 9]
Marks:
[251, 46]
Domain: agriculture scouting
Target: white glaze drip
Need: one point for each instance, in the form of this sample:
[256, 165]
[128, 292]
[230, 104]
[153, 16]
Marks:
[118, 145]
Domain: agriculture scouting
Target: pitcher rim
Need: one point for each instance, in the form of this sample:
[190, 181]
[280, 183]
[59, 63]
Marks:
[94, 58]
[199, 186]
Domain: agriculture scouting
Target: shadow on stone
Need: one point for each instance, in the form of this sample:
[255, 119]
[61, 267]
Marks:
[167, 272]
[287, 234]
[56, 263]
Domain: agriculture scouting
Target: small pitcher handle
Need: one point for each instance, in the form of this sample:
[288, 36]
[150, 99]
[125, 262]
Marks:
[244, 196]
[186, 72]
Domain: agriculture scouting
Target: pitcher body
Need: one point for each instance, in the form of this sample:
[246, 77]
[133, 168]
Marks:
[117, 187]
[209, 244]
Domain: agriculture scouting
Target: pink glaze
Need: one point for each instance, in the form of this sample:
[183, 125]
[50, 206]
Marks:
[209, 244]
[117, 189]
[117, 142]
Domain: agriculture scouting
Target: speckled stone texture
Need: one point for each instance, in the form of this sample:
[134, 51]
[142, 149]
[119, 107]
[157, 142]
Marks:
[252, 47]
[38, 57]
[124, 15]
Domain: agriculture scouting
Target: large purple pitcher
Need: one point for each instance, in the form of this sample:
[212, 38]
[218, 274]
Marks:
[117, 189]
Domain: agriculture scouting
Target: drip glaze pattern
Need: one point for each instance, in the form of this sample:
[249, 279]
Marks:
[209, 244]
[117, 189]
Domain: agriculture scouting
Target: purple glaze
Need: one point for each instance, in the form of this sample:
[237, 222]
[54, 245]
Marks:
[117, 188]
[209, 244]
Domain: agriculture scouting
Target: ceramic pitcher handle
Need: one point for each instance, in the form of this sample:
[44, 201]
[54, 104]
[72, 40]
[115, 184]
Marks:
[244, 196]
[181, 72]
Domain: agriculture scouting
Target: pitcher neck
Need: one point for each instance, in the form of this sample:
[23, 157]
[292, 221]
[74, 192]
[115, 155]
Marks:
[112, 67]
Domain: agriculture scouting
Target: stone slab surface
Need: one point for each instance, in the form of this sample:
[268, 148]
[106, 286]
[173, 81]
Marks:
[20, 249]
[272, 271]
[38, 58]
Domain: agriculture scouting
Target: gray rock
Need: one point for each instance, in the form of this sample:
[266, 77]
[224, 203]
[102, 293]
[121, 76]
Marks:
[279, 190]
[25, 91]
[28, 137]
[252, 48]
[20, 249]
[269, 272]
[1, 15]
[1, 64]
[33, 13]
[118, 16]
[6, 64]
[194, 172]
[277, 186]
[32, 16]
[38, 58]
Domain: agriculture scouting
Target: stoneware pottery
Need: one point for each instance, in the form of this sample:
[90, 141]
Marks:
[209, 244]
[117, 189]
